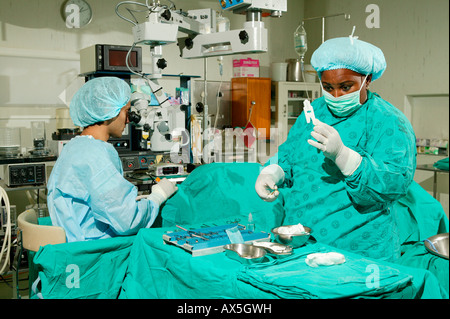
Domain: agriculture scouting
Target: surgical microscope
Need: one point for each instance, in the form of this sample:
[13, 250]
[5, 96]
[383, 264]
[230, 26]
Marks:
[165, 122]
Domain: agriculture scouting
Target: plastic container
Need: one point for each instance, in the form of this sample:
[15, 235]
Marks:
[310, 74]
[222, 23]
[250, 223]
[9, 141]
[38, 134]
[63, 119]
[300, 43]
[279, 71]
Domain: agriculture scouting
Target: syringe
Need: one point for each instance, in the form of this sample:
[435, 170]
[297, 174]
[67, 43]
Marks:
[309, 111]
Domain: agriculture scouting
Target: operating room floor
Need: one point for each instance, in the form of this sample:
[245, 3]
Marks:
[6, 285]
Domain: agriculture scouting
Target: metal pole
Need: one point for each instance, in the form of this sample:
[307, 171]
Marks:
[323, 29]
[205, 109]
[346, 17]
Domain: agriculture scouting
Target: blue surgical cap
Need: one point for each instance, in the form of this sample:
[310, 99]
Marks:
[349, 53]
[99, 99]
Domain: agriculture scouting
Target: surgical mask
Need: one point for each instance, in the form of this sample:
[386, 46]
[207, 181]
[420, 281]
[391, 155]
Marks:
[344, 105]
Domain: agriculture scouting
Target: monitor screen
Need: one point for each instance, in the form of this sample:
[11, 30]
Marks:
[117, 58]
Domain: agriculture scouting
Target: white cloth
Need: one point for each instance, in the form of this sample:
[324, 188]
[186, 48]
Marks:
[324, 259]
[292, 229]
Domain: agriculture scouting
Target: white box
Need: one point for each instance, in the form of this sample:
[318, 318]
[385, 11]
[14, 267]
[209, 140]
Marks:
[245, 68]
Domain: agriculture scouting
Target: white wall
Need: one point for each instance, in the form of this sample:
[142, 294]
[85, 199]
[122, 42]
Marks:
[39, 56]
[413, 34]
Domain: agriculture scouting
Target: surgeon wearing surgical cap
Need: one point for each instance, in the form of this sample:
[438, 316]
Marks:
[87, 193]
[341, 174]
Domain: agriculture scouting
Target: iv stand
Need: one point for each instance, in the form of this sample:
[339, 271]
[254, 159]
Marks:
[346, 17]
[205, 95]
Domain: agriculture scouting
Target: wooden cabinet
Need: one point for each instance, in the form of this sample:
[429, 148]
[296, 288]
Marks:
[250, 99]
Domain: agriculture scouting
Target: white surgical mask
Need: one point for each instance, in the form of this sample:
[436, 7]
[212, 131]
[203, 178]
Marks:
[346, 104]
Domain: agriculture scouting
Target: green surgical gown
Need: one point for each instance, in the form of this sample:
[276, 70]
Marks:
[352, 213]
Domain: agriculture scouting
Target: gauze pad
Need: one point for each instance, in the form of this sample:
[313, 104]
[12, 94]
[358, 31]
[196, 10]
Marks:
[324, 259]
[292, 229]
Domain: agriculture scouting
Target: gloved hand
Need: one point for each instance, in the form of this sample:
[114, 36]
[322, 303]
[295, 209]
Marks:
[162, 191]
[330, 143]
[266, 185]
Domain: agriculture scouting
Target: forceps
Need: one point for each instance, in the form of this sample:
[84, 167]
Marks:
[190, 232]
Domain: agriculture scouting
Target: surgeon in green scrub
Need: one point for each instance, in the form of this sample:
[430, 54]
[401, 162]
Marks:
[341, 173]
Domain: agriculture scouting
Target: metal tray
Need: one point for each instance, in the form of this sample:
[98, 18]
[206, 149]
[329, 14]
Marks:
[275, 249]
[245, 253]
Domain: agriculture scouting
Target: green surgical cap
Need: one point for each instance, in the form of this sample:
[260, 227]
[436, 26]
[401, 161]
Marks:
[99, 99]
[349, 53]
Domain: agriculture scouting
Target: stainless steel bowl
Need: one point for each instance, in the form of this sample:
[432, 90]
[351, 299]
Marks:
[295, 240]
[276, 250]
[245, 253]
[438, 245]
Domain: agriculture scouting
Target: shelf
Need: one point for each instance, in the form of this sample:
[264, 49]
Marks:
[445, 154]
[122, 73]
[21, 188]
[296, 99]
[285, 104]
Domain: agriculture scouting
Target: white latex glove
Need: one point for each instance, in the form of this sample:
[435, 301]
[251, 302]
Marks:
[266, 185]
[330, 143]
[162, 191]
